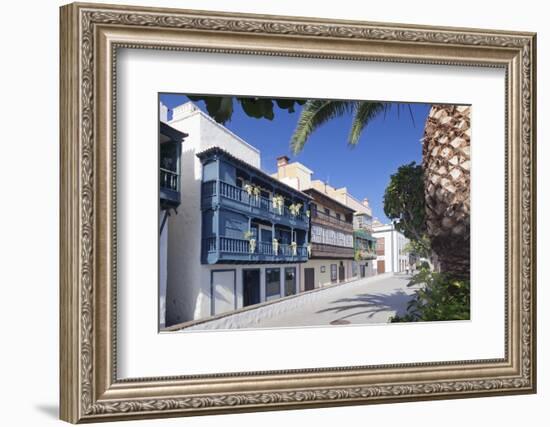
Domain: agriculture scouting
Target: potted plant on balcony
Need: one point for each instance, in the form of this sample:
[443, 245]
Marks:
[275, 246]
[257, 192]
[294, 248]
[249, 189]
[278, 202]
[253, 191]
[295, 209]
[249, 235]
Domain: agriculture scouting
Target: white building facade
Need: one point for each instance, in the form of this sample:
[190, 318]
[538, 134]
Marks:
[391, 255]
[212, 267]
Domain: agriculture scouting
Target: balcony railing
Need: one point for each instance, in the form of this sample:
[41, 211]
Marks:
[240, 195]
[232, 249]
[366, 254]
[169, 180]
[324, 218]
[320, 250]
[169, 188]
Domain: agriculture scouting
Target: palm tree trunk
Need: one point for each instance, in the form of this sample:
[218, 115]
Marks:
[446, 162]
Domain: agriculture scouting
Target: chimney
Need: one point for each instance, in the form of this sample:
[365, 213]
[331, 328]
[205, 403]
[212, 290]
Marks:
[366, 202]
[282, 161]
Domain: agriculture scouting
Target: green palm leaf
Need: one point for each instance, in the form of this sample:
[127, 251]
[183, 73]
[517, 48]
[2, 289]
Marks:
[364, 112]
[314, 114]
[317, 112]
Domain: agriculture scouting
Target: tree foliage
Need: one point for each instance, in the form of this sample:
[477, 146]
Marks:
[440, 297]
[419, 248]
[404, 201]
[221, 108]
[317, 112]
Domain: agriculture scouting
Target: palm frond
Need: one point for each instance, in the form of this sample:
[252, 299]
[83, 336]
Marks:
[315, 113]
[365, 111]
[412, 116]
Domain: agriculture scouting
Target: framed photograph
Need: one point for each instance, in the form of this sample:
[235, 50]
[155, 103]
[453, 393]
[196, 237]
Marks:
[268, 212]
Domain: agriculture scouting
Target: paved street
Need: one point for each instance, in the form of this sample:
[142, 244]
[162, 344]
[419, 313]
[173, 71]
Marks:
[370, 300]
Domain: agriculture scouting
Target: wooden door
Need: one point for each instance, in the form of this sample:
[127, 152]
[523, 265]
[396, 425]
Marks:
[309, 279]
[381, 266]
[341, 272]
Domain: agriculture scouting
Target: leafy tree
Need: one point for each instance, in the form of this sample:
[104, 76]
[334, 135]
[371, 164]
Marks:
[440, 297]
[418, 248]
[221, 108]
[404, 202]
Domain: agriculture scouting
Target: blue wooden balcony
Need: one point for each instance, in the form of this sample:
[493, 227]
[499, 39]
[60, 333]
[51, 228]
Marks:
[170, 195]
[230, 196]
[241, 251]
[170, 141]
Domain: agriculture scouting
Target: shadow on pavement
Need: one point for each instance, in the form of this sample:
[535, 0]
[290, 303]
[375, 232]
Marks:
[370, 304]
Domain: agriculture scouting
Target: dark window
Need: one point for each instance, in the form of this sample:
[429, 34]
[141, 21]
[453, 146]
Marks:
[264, 200]
[327, 211]
[338, 216]
[290, 281]
[233, 225]
[272, 282]
[266, 235]
[251, 287]
[283, 236]
[333, 272]
[254, 230]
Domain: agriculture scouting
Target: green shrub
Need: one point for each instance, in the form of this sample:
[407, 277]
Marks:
[441, 297]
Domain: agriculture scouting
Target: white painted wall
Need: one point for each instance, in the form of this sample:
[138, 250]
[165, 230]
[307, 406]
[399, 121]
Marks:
[188, 295]
[163, 270]
[323, 278]
[209, 133]
[163, 113]
[395, 259]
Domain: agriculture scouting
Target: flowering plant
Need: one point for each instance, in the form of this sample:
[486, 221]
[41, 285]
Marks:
[278, 202]
[295, 208]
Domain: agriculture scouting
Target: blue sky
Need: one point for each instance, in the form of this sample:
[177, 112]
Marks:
[386, 143]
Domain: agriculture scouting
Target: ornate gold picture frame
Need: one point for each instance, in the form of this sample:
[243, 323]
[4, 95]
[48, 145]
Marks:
[90, 387]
